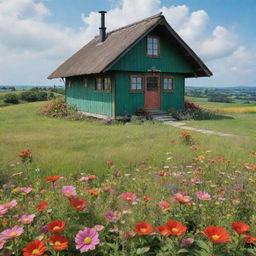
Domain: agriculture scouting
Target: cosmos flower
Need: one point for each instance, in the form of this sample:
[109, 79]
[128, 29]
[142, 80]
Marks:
[182, 199]
[216, 234]
[58, 242]
[165, 205]
[27, 219]
[113, 216]
[56, 226]
[83, 179]
[203, 196]
[78, 203]
[87, 239]
[69, 191]
[3, 210]
[25, 190]
[10, 205]
[129, 197]
[11, 233]
[143, 228]
[34, 248]
[176, 228]
[241, 228]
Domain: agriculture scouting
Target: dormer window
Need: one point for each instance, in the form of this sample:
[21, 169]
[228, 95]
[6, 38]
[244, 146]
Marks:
[153, 46]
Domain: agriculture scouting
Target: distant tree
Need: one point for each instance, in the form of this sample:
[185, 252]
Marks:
[30, 95]
[11, 98]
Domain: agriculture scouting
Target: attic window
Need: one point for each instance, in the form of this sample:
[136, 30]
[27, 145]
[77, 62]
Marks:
[168, 84]
[153, 46]
[103, 84]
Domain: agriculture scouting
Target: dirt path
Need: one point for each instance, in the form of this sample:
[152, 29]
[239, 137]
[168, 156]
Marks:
[183, 126]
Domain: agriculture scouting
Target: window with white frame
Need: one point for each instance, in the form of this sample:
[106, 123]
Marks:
[153, 46]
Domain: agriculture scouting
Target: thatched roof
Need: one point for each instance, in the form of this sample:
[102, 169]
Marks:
[97, 56]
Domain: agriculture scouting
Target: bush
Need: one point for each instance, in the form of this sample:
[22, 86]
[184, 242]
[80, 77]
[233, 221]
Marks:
[11, 98]
[29, 96]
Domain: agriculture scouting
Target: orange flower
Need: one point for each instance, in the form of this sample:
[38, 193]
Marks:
[93, 192]
[91, 177]
[52, 178]
[250, 240]
[163, 230]
[78, 203]
[146, 198]
[59, 242]
[34, 248]
[24, 153]
[185, 134]
[161, 173]
[200, 158]
[217, 234]
[253, 153]
[176, 228]
[251, 167]
[56, 226]
[109, 162]
[40, 207]
[241, 228]
[182, 199]
[143, 228]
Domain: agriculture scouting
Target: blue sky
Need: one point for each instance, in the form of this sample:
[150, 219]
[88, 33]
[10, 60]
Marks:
[46, 32]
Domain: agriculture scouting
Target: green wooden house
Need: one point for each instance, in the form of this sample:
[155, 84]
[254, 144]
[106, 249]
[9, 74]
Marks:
[139, 66]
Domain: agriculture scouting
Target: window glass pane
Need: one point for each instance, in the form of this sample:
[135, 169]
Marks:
[134, 87]
[139, 80]
[155, 52]
[99, 84]
[165, 83]
[85, 83]
[134, 80]
[152, 83]
[150, 51]
[107, 83]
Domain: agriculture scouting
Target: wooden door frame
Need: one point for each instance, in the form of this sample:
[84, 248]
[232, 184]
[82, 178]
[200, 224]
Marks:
[159, 87]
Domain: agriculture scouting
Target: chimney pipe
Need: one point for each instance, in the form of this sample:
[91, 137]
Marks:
[102, 28]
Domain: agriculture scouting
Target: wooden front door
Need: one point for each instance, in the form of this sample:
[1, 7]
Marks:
[152, 92]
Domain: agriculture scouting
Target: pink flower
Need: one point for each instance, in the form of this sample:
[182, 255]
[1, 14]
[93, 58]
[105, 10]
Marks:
[203, 196]
[195, 180]
[25, 190]
[11, 233]
[27, 219]
[182, 199]
[130, 234]
[84, 179]
[113, 216]
[2, 243]
[3, 210]
[69, 191]
[87, 239]
[129, 197]
[98, 228]
[165, 205]
[11, 204]
[186, 242]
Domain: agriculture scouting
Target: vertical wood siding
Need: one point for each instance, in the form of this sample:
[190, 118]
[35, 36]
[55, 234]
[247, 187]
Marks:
[89, 100]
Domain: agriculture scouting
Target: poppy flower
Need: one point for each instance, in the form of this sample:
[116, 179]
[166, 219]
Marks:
[143, 228]
[58, 242]
[250, 240]
[34, 248]
[241, 228]
[41, 206]
[217, 234]
[52, 178]
[78, 203]
[56, 226]
[176, 228]
[163, 230]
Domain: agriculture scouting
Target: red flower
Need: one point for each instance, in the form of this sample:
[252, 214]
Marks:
[40, 207]
[241, 228]
[217, 234]
[163, 230]
[52, 178]
[250, 240]
[109, 162]
[59, 242]
[161, 173]
[143, 228]
[176, 228]
[146, 198]
[78, 203]
[56, 226]
[91, 177]
[34, 248]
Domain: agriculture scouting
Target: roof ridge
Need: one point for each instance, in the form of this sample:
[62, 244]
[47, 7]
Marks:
[137, 22]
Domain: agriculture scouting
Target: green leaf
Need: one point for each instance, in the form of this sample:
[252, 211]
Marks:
[203, 245]
[181, 251]
[143, 250]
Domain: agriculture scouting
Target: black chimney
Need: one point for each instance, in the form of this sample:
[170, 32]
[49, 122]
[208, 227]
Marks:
[102, 28]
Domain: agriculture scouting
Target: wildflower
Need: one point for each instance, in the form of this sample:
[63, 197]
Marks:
[41, 206]
[117, 174]
[130, 234]
[195, 180]
[34, 248]
[92, 177]
[176, 228]
[182, 198]
[25, 156]
[52, 178]
[146, 198]
[27, 219]
[87, 239]
[58, 242]
[161, 173]
[2, 243]
[163, 230]
[113, 216]
[93, 192]
[83, 179]
[78, 203]
[253, 153]
[186, 242]
[216, 234]
[98, 228]
[3, 210]
[44, 229]
[11, 233]
[129, 197]
[11, 204]
[250, 240]
[203, 196]
[165, 205]
[25, 190]
[56, 226]
[200, 158]
[107, 189]
[69, 191]
[241, 228]
[251, 167]
[143, 228]
[109, 163]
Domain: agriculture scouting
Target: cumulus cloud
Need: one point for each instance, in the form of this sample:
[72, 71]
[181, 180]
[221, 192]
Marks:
[27, 39]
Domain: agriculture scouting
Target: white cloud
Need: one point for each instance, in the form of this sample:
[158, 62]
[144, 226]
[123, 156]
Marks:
[30, 45]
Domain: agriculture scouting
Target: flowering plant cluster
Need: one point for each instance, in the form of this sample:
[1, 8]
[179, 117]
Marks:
[197, 208]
